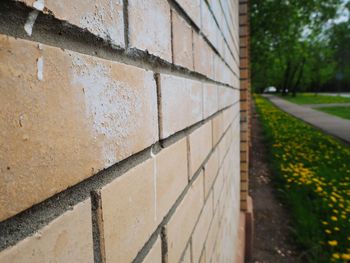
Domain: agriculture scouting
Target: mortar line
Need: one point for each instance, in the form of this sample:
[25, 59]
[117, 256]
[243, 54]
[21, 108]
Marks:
[29, 221]
[54, 32]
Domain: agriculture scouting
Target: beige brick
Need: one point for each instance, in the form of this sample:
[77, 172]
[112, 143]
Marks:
[210, 171]
[66, 113]
[187, 258]
[203, 56]
[200, 144]
[184, 219]
[149, 27]
[202, 258]
[104, 20]
[210, 99]
[129, 212]
[172, 176]
[180, 103]
[201, 230]
[181, 42]
[155, 254]
[192, 8]
[217, 189]
[208, 24]
[212, 236]
[227, 96]
[67, 238]
[218, 128]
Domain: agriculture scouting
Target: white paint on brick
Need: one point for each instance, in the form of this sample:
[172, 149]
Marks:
[149, 27]
[97, 22]
[109, 104]
[28, 26]
[154, 183]
[39, 5]
[40, 65]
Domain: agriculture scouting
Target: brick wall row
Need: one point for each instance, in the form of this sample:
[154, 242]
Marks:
[165, 104]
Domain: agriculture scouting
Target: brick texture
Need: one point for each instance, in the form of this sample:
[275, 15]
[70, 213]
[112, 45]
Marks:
[128, 208]
[182, 40]
[149, 27]
[140, 108]
[66, 239]
[82, 115]
[175, 91]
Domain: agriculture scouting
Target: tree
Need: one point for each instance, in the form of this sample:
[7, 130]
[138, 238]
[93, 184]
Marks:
[285, 37]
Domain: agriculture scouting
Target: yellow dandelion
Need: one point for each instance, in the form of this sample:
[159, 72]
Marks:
[333, 243]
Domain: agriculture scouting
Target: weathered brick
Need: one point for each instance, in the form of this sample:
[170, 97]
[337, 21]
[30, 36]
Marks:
[201, 230]
[129, 212]
[210, 99]
[155, 254]
[212, 236]
[184, 218]
[208, 24]
[217, 189]
[104, 20]
[172, 176]
[203, 56]
[149, 27]
[199, 147]
[210, 171]
[66, 113]
[192, 8]
[218, 128]
[227, 96]
[181, 42]
[187, 258]
[180, 103]
[67, 238]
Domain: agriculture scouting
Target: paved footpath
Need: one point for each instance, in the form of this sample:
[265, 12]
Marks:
[330, 124]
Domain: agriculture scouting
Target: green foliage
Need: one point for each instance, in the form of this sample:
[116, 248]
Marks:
[342, 112]
[289, 48]
[312, 98]
[312, 173]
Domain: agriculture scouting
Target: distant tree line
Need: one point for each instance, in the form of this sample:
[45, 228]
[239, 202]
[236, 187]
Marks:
[296, 45]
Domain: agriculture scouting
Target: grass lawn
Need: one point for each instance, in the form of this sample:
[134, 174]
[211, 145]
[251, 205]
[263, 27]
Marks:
[342, 112]
[312, 177]
[311, 98]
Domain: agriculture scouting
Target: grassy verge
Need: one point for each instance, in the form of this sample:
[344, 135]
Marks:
[311, 98]
[312, 175]
[342, 112]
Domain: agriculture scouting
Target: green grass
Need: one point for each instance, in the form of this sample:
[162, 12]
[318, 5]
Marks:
[342, 112]
[312, 177]
[311, 98]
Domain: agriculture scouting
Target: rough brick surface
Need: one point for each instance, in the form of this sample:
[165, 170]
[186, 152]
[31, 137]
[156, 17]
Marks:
[66, 114]
[203, 56]
[192, 8]
[181, 42]
[149, 27]
[171, 176]
[104, 19]
[155, 91]
[155, 254]
[200, 232]
[210, 99]
[199, 147]
[175, 91]
[184, 218]
[210, 171]
[128, 208]
[67, 238]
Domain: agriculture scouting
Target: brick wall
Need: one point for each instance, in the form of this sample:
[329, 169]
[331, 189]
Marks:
[120, 138]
